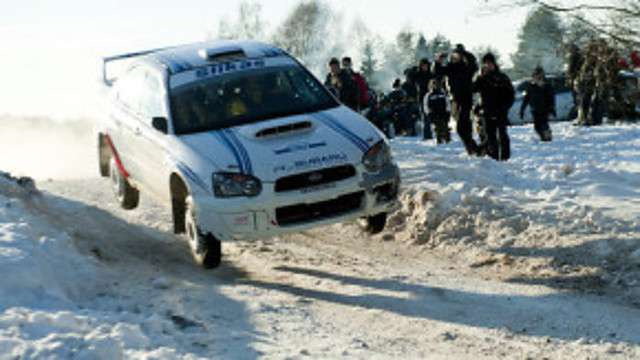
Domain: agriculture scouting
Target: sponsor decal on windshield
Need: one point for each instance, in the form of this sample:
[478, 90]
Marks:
[221, 69]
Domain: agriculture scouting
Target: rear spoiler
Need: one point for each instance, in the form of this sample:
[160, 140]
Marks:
[110, 59]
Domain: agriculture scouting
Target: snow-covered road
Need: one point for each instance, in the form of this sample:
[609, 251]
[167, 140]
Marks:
[533, 258]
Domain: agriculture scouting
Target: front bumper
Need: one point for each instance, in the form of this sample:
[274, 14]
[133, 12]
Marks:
[275, 213]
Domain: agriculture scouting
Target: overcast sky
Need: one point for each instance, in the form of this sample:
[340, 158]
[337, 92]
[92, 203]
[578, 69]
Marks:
[50, 50]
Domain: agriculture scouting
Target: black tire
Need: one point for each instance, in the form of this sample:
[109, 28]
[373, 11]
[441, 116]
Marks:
[127, 196]
[205, 248]
[373, 224]
[104, 155]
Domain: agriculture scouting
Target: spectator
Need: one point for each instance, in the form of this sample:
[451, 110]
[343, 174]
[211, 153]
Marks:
[342, 85]
[540, 96]
[422, 76]
[397, 95]
[409, 85]
[437, 111]
[363, 88]
[459, 74]
[497, 95]
[574, 63]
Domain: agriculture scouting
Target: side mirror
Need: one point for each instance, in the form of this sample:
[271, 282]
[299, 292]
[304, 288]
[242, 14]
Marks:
[161, 124]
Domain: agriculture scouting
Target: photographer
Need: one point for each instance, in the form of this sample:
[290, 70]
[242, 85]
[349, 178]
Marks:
[459, 73]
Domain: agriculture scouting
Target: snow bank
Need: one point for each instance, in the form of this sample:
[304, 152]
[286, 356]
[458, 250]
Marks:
[46, 285]
[569, 207]
[37, 255]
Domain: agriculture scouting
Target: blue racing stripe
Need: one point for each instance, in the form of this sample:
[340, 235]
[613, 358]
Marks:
[242, 150]
[336, 125]
[184, 63]
[342, 130]
[221, 136]
[174, 67]
[192, 176]
[339, 124]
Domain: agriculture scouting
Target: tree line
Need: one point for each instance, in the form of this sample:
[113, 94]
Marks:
[314, 32]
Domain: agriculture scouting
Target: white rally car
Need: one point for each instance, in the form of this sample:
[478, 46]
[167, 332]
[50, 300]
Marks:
[242, 142]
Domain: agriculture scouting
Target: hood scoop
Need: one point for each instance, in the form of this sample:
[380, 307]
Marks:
[284, 129]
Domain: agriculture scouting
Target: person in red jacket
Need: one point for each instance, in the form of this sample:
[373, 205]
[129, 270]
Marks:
[635, 59]
[363, 88]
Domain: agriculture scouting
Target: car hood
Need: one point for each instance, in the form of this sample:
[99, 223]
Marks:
[276, 148]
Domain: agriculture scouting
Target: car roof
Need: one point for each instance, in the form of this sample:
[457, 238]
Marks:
[187, 57]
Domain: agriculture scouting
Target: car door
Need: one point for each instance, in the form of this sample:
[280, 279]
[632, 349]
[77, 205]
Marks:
[151, 143]
[125, 114]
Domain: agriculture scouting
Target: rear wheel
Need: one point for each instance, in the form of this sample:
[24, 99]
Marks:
[373, 224]
[205, 248]
[127, 195]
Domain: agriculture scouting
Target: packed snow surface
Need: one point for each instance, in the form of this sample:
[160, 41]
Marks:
[531, 258]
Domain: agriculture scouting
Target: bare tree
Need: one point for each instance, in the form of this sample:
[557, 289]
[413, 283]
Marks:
[311, 33]
[249, 26]
[616, 19]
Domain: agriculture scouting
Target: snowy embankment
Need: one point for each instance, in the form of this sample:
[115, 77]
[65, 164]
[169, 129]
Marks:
[83, 279]
[47, 283]
[563, 214]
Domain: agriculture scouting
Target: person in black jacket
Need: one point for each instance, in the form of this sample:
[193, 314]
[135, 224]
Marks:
[540, 96]
[412, 108]
[409, 85]
[459, 73]
[497, 96]
[342, 84]
[437, 111]
[397, 94]
[422, 76]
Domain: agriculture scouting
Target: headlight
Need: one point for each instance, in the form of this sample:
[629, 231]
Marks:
[227, 185]
[377, 156]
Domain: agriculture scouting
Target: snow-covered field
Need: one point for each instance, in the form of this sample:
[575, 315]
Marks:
[532, 258]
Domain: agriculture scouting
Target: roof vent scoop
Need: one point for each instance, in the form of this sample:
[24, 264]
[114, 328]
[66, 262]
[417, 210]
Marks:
[222, 53]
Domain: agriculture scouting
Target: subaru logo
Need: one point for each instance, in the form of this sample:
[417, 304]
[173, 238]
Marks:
[315, 177]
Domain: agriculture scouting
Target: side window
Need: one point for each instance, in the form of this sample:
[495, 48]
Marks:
[131, 88]
[151, 102]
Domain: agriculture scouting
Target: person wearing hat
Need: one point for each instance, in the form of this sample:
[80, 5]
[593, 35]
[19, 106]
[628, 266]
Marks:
[459, 74]
[540, 96]
[497, 95]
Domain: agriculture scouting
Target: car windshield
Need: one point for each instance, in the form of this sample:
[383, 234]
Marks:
[246, 97]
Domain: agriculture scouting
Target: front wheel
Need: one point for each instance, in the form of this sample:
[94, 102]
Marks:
[373, 224]
[205, 248]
